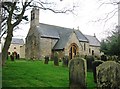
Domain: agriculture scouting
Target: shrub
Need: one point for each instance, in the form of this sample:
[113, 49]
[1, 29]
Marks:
[95, 64]
[65, 60]
[104, 58]
[46, 59]
[89, 60]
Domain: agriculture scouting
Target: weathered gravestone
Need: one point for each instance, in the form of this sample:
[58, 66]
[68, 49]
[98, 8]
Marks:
[46, 60]
[77, 73]
[108, 75]
[94, 65]
[65, 61]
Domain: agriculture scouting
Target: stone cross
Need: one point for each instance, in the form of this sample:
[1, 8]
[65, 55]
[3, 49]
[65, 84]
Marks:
[77, 73]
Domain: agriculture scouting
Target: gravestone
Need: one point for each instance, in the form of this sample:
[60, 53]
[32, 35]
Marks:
[46, 59]
[65, 60]
[108, 75]
[77, 73]
[95, 64]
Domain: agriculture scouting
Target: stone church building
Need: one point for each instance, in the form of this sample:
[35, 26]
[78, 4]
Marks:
[45, 40]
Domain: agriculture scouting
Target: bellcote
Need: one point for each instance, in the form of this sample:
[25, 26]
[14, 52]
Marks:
[34, 17]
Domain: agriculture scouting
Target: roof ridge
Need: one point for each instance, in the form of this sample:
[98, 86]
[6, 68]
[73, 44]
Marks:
[55, 25]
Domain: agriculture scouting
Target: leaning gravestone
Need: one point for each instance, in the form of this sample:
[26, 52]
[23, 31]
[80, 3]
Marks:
[108, 75]
[77, 73]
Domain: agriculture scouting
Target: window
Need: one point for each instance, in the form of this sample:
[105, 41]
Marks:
[92, 52]
[84, 46]
[89, 50]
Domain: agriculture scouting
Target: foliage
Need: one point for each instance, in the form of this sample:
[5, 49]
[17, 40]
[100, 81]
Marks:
[36, 74]
[111, 46]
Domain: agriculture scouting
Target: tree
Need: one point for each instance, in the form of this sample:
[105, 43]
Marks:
[13, 14]
[111, 13]
[111, 46]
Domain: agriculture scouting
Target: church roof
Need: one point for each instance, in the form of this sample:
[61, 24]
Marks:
[17, 41]
[62, 34]
[93, 41]
[62, 41]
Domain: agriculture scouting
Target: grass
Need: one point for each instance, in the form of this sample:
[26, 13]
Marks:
[22, 73]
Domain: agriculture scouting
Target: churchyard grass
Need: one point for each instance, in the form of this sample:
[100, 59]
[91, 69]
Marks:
[24, 73]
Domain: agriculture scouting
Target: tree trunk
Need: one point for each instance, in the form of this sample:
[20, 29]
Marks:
[6, 45]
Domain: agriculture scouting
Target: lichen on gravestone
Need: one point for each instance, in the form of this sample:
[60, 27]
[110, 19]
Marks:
[77, 73]
[108, 75]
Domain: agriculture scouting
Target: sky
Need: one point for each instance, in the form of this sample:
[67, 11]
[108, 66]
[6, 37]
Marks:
[85, 18]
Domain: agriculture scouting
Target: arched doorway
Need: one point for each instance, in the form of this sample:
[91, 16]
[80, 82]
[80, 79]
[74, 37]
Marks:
[73, 50]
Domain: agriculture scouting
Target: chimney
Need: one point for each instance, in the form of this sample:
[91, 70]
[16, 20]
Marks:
[34, 17]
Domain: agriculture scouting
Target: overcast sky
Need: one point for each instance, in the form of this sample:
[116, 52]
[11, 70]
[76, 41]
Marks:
[86, 14]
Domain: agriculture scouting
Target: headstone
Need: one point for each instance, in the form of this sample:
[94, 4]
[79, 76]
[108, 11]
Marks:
[46, 59]
[65, 60]
[104, 58]
[95, 64]
[56, 61]
[108, 75]
[89, 60]
[77, 73]
[12, 57]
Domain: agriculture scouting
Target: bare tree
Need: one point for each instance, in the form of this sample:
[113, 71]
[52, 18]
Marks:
[111, 13]
[13, 14]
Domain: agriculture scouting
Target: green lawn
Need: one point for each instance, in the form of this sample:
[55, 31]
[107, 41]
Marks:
[22, 73]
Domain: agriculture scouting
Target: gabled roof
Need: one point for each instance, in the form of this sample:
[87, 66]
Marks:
[80, 36]
[17, 41]
[93, 41]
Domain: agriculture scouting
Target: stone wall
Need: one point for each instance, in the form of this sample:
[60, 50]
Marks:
[84, 51]
[96, 50]
[22, 51]
[45, 47]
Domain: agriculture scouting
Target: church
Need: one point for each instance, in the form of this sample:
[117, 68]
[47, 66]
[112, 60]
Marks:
[46, 40]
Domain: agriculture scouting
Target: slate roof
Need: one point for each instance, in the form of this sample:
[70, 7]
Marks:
[17, 41]
[60, 33]
[80, 36]
[62, 41]
[93, 41]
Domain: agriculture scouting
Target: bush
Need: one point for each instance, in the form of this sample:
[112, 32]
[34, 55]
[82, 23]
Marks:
[104, 58]
[65, 60]
[89, 60]
[95, 64]
[46, 59]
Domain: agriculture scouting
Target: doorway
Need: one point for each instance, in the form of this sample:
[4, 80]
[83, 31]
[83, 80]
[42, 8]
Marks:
[73, 50]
